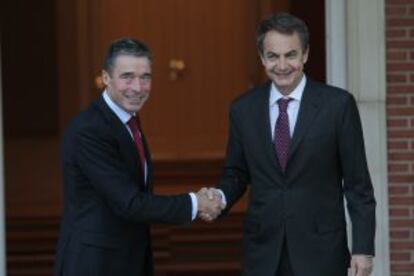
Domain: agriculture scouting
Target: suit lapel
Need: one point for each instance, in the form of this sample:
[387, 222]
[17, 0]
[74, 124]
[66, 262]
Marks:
[148, 159]
[265, 131]
[127, 145]
[308, 109]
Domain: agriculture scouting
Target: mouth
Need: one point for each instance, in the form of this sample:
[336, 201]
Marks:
[136, 101]
[136, 98]
[283, 74]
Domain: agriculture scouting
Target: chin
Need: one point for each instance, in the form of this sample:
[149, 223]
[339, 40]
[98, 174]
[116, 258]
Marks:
[284, 85]
[130, 109]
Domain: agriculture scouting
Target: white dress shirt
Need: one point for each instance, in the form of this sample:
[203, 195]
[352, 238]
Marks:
[293, 106]
[292, 110]
[124, 117]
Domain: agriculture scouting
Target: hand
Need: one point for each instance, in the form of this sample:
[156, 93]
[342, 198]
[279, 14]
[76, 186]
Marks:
[210, 204]
[361, 265]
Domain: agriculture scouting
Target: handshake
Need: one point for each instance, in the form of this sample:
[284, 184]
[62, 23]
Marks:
[210, 203]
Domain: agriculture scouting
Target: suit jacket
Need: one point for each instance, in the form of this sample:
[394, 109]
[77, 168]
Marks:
[302, 206]
[107, 206]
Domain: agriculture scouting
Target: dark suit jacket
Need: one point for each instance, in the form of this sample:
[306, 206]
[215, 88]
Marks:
[304, 205]
[107, 205]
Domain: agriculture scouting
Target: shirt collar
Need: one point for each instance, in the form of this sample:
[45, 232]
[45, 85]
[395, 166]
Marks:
[119, 112]
[296, 94]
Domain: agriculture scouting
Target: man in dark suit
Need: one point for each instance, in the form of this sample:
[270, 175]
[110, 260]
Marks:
[299, 145]
[107, 171]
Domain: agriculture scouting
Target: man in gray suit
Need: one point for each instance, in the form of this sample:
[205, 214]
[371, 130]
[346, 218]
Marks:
[299, 145]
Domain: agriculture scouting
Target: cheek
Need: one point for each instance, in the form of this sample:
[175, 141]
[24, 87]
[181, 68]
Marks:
[123, 87]
[119, 86]
[146, 88]
[268, 66]
[298, 65]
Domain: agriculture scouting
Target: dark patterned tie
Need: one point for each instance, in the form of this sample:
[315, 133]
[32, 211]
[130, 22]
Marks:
[133, 126]
[281, 135]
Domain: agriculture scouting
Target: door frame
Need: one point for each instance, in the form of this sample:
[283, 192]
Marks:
[2, 186]
[355, 60]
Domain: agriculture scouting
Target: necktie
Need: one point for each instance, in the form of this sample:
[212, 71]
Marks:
[282, 133]
[136, 133]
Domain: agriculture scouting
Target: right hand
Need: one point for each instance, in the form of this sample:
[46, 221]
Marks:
[210, 204]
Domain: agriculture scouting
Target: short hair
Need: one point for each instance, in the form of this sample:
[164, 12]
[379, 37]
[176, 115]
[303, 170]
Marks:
[125, 46]
[283, 23]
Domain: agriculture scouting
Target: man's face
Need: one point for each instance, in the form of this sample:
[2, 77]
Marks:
[283, 59]
[129, 84]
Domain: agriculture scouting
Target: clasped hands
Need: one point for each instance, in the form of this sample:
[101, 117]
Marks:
[210, 204]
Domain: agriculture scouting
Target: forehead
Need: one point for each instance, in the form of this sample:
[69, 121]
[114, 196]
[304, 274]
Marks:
[129, 63]
[281, 43]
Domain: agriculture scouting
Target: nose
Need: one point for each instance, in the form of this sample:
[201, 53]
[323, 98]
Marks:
[282, 64]
[136, 84]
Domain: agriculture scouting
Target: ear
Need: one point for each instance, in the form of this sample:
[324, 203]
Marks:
[262, 58]
[305, 55]
[106, 77]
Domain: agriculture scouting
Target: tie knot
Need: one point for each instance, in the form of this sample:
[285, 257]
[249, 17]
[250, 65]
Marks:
[132, 123]
[283, 104]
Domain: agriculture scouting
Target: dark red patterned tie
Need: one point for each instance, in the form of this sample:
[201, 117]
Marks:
[133, 126]
[282, 134]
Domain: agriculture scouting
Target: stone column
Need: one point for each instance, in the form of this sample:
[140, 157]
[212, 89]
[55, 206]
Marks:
[356, 61]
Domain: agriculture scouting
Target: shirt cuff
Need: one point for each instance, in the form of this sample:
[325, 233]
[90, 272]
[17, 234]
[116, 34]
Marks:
[223, 197]
[194, 205]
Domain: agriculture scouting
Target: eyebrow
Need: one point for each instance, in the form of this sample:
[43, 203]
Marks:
[146, 75]
[131, 74]
[292, 52]
[127, 74]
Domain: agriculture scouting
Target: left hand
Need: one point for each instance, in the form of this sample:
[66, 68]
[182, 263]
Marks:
[361, 265]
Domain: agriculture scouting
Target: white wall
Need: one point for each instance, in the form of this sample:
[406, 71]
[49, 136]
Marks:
[356, 61]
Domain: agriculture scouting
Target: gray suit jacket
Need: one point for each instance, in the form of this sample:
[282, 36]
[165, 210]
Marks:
[303, 205]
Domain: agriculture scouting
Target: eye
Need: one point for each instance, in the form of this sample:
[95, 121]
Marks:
[145, 78]
[271, 56]
[127, 76]
[292, 55]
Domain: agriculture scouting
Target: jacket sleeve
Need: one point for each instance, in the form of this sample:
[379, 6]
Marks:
[98, 158]
[358, 188]
[235, 176]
